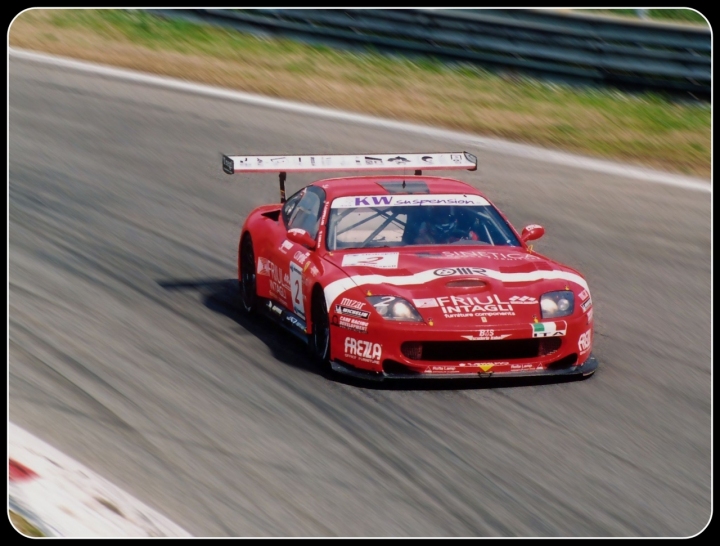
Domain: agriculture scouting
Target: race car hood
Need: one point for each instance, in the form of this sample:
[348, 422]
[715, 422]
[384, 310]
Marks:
[457, 287]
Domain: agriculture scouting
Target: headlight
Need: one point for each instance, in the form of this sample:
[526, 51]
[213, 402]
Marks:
[394, 308]
[557, 304]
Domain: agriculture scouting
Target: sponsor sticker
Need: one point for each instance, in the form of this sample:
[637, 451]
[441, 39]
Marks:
[300, 257]
[350, 323]
[263, 267]
[398, 160]
[453, 271]
[590, 315]
[502, 256]
[425, 303]
[484, 366]
[365, 351]
[297, 231]
[441, 369]
[297, 323]
[486, 335]
[279, 283]
[549, 329]
[522, 299]
[582, 296]
[285, 246]
[352, 312]
[382, 260]
[408, 201]
[584, 306]
[323, 219]
[348, 302]
[474, 306]
[584, 342]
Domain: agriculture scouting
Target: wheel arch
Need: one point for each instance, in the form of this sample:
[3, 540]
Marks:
[243, 235]
[316, 289]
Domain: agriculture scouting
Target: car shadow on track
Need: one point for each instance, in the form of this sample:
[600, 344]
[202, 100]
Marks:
[222, 296]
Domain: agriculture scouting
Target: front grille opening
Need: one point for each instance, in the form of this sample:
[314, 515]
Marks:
[394, 367]
[564, 363]
[504, 349]
[548, 346]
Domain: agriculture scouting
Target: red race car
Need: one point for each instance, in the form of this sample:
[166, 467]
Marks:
[409, 276]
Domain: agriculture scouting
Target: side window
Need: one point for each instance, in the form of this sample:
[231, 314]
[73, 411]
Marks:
[306, 215]
[290, 204]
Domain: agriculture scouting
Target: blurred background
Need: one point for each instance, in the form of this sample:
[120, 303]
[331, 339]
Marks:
[126, 347]
[590, 81]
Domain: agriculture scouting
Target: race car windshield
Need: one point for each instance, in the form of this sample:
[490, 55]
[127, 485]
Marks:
[399, 221]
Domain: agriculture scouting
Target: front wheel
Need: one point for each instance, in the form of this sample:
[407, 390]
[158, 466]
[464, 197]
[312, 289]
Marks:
[320, 337]
[248, 290]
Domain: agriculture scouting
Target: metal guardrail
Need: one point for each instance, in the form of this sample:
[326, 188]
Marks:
[578, 49]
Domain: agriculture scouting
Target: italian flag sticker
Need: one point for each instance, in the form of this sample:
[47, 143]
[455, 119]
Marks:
[549, 329]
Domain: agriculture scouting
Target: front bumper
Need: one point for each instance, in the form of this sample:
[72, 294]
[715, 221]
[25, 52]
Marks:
[585, 369]
[518, 349]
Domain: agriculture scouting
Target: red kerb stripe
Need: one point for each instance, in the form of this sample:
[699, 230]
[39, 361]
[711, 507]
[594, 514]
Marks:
[20, 472]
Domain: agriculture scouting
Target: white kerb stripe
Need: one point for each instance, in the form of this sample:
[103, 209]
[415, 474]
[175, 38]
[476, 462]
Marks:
[74, 501]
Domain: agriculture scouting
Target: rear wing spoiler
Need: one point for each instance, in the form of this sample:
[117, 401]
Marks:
[232, 164]
[319, 163]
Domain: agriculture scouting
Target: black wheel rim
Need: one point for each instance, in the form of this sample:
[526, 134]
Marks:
[321, 330]
[247, 274]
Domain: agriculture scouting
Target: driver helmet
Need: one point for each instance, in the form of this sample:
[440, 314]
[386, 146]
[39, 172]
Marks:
[443, 220]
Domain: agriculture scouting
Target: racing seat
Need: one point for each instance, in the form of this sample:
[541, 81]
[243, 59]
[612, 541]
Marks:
[412, 227]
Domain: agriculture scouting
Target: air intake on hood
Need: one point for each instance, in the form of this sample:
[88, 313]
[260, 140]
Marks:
[466, 283]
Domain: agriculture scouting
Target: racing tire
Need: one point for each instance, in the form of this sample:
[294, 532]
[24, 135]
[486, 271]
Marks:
[320, 336]
[248, 279]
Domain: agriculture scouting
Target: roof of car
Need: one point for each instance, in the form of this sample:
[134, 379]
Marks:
[385, 185]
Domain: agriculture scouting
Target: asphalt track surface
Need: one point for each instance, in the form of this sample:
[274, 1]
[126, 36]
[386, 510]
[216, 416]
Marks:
[128, 351]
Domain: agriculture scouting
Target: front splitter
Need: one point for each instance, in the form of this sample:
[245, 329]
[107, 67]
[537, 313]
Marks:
[588, 368]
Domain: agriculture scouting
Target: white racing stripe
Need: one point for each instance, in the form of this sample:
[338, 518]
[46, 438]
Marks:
[335, 288]
[489, 145]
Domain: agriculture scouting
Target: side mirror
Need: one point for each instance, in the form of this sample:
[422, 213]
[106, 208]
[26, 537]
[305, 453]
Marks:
[301, 237]
[532, 232]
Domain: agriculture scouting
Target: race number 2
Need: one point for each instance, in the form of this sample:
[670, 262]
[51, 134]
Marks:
[296, 289]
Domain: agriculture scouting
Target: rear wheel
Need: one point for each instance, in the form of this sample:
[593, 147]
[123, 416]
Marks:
[320, 337]
[248, 290]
